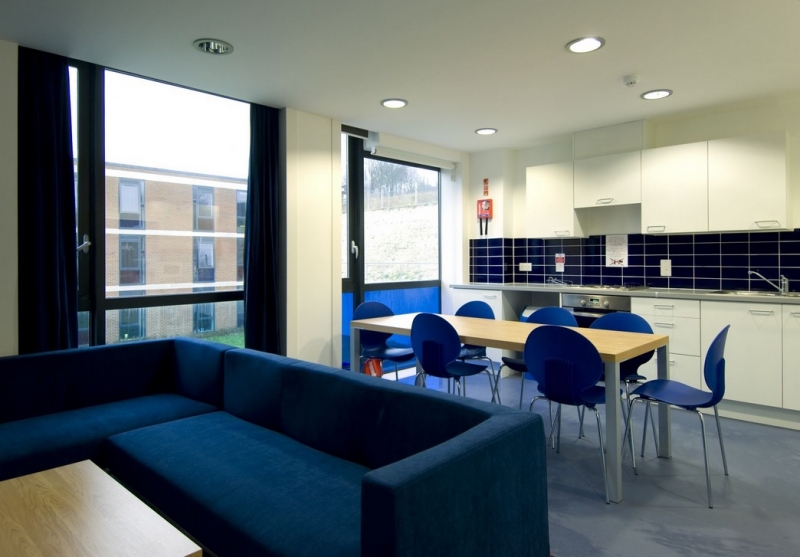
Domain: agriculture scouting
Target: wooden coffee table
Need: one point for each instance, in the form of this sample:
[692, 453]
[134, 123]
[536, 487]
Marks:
[79, 510]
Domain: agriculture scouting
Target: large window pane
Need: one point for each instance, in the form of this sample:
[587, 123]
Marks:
[401, 222]
[176, 183]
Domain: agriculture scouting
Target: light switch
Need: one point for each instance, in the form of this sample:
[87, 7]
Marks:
[526, 266]
[666, 267]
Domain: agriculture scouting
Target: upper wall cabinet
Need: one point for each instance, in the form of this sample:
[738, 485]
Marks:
[608, 180]
[675, 189]
[747, 183]
[550, 203]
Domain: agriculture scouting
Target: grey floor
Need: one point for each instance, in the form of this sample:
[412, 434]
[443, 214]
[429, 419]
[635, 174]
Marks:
[664, 512]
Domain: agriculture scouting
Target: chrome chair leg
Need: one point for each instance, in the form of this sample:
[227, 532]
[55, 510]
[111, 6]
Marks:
[629, 431]
[721, 444]
[552, 423]
[602, 453]
[521, 389]
[558, 433]
[649, 413]
[705, 458]
[581, 412]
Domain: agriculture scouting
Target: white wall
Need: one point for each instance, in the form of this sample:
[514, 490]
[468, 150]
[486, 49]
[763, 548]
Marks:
[9, 285]
[313, 236]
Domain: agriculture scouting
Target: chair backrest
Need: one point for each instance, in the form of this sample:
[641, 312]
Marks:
[371, 340]
[563, 362]
[552, 315]
[714, 367]
[631, 323]
[476, 308]
[435, 343]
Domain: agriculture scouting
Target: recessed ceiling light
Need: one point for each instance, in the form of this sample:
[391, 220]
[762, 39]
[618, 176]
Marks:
[656, 94]
[486, 131]
[585, 44]
[213, 46]
[394, 103]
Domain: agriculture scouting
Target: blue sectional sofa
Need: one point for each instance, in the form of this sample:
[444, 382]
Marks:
[257, 454]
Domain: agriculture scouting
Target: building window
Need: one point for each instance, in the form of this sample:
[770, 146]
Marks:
[203, 198]
[240, 314]
[241, 210]
[131, 260]
[240, 260]
[132, 321]
[203, 259]
[203, 314]
[131, 203]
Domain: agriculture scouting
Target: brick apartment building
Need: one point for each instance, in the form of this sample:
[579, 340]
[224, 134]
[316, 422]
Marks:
[170, 233]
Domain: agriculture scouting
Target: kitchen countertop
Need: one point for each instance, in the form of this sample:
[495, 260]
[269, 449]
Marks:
[650, 292]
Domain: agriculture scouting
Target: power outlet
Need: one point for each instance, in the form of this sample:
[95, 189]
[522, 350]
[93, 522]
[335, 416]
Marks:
[666, 267]
[526, 266]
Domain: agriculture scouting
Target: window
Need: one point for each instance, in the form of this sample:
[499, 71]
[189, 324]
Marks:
[131, 260]
[241, 210]
[168, 208]
[203, 209]
[240, 259]
[131, 203]
[203, 259]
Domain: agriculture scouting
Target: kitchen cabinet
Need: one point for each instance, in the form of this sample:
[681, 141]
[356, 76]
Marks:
[549, 198]
[791, 357]
[492, 297]
[609, 180]
[753, 352]
[748, 187]
[680, 320]
[675, 189]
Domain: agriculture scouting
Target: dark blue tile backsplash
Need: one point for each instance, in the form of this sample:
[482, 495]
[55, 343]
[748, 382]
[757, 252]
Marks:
[708, 261]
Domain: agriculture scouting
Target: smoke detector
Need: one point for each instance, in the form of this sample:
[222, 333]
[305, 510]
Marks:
[630, 80]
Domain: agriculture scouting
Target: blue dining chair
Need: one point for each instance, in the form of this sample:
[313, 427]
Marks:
[479, 310]
[567, 367]
[373, 344]
[629, 369]
[437, 346]
[552, 315]
[689, 398]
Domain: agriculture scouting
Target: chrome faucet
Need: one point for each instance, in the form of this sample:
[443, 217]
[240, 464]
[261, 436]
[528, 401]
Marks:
[784, 282]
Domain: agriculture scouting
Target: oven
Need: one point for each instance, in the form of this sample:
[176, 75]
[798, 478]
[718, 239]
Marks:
[588, 307]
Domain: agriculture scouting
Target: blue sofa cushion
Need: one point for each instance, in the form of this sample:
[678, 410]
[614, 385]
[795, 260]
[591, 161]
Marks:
[44, 442]
[38, 384]
[241, 489]
[366, 420]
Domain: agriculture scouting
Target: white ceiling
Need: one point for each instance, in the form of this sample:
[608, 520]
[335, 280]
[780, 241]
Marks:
[461, 64]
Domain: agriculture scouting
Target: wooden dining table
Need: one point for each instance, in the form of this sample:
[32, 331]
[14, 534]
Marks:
[614, 347]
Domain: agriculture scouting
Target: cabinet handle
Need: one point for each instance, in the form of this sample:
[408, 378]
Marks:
[795, 314]
[604, 201]
[762, 312]
[561, 232]
[768, 224]
[664, 306]
[672, 362]
[670, 325]
[661, 227]
[490, 296]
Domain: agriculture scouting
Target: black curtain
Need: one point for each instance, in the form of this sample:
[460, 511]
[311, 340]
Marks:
[262, 320]
[48, 282]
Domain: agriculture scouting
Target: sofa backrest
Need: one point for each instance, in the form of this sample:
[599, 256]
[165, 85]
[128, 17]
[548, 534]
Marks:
[363, 419]
[37, 384]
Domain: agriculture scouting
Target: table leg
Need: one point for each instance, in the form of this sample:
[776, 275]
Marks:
[355, 349]
[613, 432]
[664, 422]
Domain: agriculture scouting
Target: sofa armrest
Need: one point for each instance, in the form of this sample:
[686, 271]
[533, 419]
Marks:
[474, 486]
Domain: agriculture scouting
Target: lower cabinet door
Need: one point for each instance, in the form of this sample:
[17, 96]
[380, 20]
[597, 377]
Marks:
[683, 368]
[791, 357]
[753, 352]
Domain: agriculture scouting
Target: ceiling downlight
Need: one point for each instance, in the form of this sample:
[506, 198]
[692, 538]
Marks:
[656, 94]
[394, 103]
[486, 131]
[213, 46]
[586, 44]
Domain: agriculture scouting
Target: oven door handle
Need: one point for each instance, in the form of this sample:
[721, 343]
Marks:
[587, 314]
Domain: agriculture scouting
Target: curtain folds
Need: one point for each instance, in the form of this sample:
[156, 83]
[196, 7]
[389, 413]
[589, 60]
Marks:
[262, 325]
[48, 282]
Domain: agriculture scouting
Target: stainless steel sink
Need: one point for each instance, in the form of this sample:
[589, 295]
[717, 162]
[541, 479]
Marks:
[749, 293]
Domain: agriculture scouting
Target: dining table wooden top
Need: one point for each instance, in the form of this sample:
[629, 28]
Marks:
[613, 346]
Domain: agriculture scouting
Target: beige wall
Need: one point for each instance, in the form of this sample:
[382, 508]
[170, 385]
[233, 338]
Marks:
[9, 306]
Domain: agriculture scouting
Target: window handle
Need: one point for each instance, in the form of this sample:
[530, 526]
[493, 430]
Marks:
[84, 247]
[354, 248]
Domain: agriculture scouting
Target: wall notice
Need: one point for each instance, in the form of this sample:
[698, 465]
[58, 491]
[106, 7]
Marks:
[617, 250]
